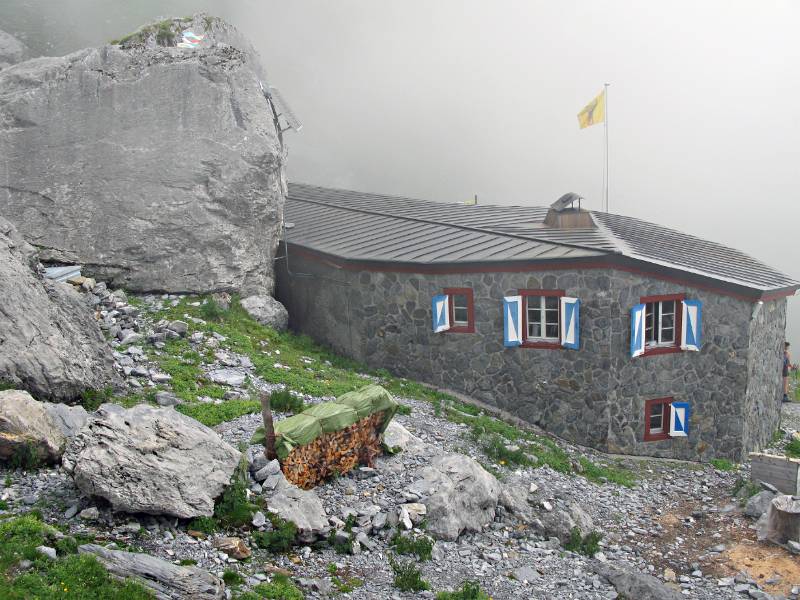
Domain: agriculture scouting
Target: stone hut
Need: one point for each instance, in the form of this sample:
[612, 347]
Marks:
[606, 330]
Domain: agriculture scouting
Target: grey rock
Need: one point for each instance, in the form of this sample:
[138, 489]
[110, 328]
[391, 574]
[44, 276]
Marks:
[12, 51]
[167, 581]
[794, 547]
[632, 584]
[71, 511]
[229, 377]
[167, 399]
[267, 311]
[179, 327]
[459, 494]
[208, 164]
[397, 436]
[90, 514]
[758, 504]
[259, 520]
[526, 574]
[52, 345]
[272, 467]
[150, 460]
[26, 422]
[560, 521]
[301, 507]
[47, 551]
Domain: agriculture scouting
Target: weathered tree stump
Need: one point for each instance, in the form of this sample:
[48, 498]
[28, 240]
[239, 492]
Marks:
[783, 520]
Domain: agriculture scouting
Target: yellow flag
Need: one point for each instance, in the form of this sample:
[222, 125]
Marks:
[594, 112]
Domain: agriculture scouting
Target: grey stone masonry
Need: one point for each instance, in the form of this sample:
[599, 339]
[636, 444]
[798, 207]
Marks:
[595, 395]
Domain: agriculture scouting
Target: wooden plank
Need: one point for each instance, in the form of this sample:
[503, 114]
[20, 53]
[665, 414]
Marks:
[775, 470]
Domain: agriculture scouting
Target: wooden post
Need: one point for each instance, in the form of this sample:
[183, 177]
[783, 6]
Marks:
[269, 428]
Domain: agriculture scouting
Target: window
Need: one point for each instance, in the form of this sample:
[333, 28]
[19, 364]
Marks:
[541, 318]
[656, 419]
[662, 323]
[462, 311]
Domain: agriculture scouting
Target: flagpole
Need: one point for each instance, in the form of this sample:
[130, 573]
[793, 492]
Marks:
[605, 123]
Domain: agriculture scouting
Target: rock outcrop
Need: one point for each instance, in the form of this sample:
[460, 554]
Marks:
[150, 460]
[267, 311]
[302, 507]
[26, 423]
[459, 494]
[50, 343]
[165, 580]
[156, 167]
[12, 50]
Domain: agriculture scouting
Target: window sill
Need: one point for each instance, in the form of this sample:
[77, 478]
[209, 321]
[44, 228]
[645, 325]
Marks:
[462, 329]
[656, 437]
[662, 350]
[542, 345]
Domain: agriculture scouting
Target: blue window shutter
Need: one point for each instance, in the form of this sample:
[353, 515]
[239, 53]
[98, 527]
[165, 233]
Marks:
[637, 330]
[570, 323]
[512, 321]
[691, 325]
[679, 414]
[441, 313]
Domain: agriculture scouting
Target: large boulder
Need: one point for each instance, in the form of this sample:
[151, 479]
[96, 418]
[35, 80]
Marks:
[758, 504]
[633, 584]
[562, 519]
[459, 494]
[50, 343]
[27, 424]
[12, 50]
[165, 580]
[150, 460]
[156, 167]
[267, 311]
[301, 507]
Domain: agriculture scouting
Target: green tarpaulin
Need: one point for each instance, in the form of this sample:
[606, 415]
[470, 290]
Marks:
[326, 417]
[332, 415]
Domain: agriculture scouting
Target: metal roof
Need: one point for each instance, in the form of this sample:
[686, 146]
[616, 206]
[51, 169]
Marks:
[366, 227]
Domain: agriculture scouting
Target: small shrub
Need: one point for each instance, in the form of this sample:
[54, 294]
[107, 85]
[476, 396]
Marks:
[407, 577]
[3, 505]
[280, 588]
[777, 437]
[232, 578]
[25, 457]
[280, 539]
[404, 409]
[92, 399]
[207, 525]
[284, 401]
[793, 448]
[233, 509]
[67, 545]
[164, 34]
[422, 546]
[722, 464]
[210, 310]
[588, 545]
[470, 590]
[187, 562]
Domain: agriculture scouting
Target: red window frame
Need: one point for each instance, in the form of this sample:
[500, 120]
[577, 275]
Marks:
[544, 345]
[676, 345]
[648, 410]
[470, 326]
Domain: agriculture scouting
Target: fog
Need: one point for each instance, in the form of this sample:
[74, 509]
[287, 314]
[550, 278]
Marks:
[446, 99]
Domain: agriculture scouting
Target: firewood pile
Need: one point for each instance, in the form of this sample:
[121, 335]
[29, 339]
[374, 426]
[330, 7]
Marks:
[335, 453]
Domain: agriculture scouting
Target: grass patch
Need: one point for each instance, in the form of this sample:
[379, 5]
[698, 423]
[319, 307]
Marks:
[232, 578]
[403, 409]
[343, 583]
[210, 414]
[722, 464]
[587, 545]
[422, 545]
[187, 562]
[280, 539]
[69, 577]
[407, 577]
[92, 399]
[606, 473]
[744, 489]
[280, 588]
[777, 437]
[793, 448]
[207, 525]
[469, 590]
[233, 509]
[284, 401]
[26, 456]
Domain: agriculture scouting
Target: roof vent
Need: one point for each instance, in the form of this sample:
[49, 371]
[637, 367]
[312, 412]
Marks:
[564, 215]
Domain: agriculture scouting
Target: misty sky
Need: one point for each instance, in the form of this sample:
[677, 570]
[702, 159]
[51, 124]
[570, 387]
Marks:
[446, 99]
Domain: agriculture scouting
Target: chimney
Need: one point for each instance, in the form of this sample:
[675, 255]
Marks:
[564, 215]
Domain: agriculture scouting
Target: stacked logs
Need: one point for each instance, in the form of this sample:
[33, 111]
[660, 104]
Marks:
[334, 453]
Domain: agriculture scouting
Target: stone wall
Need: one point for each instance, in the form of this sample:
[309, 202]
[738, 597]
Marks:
[764, 385]
[594, 396]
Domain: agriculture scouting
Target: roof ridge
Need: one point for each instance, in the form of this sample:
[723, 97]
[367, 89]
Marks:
[442, 223]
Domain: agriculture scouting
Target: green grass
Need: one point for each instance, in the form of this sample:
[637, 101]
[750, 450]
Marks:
[469, 590]
[777, 437]
[210, 414]
[187, 562]
[69, 577]
[284, 401]
[232, 578]
[587, 545]
[207, 525]
[422, 545]
[602, 473]
[233, 509]
[26, 456]
[280, 588]
[793, 448]
[280, 539]
[744, 489]
[92, 399]
[343, 582]
[722, 464]
[407, 577]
